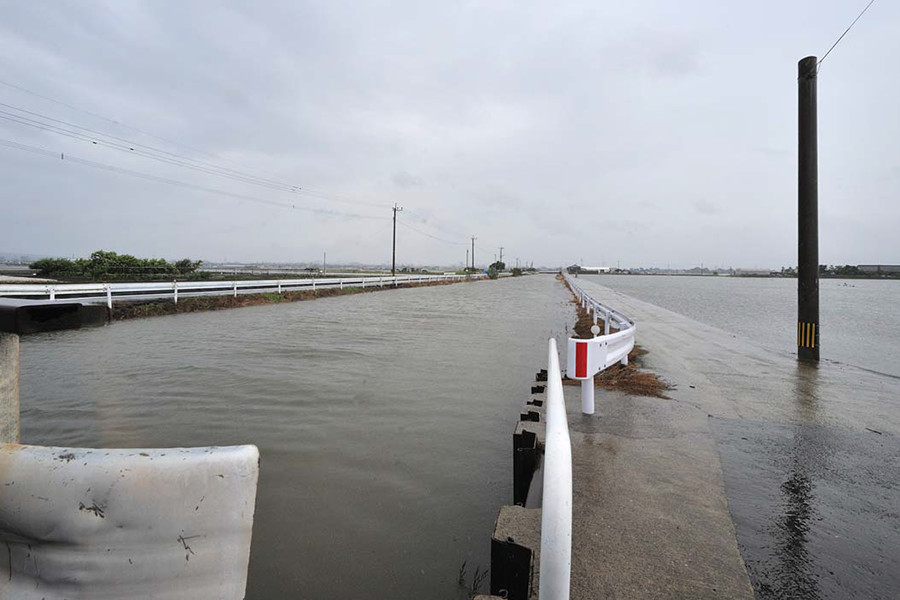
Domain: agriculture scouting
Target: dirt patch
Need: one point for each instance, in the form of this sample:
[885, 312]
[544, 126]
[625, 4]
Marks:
[135, 310]
[630, 379]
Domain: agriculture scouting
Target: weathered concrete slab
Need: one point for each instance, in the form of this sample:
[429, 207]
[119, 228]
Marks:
[650, 516]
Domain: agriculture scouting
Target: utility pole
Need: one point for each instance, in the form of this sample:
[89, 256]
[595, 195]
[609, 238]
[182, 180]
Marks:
[501, 253]
[396, 209]
[467, 259]
[807, 213]
[324, 256]
[473, 252]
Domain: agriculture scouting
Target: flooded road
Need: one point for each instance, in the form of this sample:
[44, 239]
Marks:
[810, 454]
[384, 420]
[859, 321]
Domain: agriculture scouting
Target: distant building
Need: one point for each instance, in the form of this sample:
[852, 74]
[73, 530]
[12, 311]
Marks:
[880, 269]
[578, 269]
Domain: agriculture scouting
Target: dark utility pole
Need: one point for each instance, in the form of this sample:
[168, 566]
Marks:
[473, 252]
[396, 209]
[501, 253]
[808, 215]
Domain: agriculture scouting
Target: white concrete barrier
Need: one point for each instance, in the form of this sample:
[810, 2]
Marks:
[111, 524]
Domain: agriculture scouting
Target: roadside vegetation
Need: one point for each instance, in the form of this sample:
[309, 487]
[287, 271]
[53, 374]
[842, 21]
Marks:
[108, 266]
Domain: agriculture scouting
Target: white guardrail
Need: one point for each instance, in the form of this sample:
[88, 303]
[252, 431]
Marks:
[556, 506]
[585, 359]
[154, 290]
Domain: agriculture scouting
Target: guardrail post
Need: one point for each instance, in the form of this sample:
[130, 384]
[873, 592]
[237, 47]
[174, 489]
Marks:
[108, 297]
[9, 388]
[279, 286]
[606, 323]
[381, 282]
[342, 283]
[234, 284]
[587, 396]
[314, 284]
[175, 288]
[52, 291]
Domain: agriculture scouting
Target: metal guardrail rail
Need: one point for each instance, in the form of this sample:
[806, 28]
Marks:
[585, 359]
[556, 506]
[156, 290]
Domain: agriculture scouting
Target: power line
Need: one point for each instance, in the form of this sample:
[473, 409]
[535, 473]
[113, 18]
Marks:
[152, 153]
[431, 222]
[107, 119]
[858, 17]
[434, 237]
[173, 182]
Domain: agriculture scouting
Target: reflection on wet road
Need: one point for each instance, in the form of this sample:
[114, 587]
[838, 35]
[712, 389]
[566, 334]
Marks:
[814, 506]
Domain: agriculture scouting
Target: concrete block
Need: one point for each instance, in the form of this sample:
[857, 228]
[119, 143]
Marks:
[515, 553]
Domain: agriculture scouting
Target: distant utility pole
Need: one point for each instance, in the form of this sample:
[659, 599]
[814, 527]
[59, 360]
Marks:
[501, 253]
[396, 209]
[808, 214]
[467, 258]
[473, 252]
[324, 256]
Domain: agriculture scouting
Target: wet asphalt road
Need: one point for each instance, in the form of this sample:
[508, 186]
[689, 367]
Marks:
[809, 456]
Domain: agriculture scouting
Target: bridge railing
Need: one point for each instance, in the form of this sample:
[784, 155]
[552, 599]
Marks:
[154, 290]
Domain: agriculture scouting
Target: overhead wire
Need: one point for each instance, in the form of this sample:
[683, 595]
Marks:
[434, 237]
[80, 132]
[155, 178]
[858, 17]
[150, 152]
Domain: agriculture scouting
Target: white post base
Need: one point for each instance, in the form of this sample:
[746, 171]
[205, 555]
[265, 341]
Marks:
[587, 396]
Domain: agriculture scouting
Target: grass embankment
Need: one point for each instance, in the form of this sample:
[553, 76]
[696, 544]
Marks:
[134, 310]
[630, 379]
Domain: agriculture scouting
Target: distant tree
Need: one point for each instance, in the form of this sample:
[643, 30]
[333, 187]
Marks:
[56, 267]
[516, 272]
[186, 265]
[499, 266]
[105, 266]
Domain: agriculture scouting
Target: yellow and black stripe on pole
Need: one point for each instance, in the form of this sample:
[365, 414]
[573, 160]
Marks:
[808, 215]
[807, 336]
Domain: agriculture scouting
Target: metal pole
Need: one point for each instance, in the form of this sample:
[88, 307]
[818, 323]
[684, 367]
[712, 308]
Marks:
[467, 259]
[473, 252]
[9, 388]
[808, 214]
[396, 209]
[587, 396]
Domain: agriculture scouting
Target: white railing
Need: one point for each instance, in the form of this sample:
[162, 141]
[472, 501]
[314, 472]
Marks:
[153, 290]
[556, 506]
[587, 357]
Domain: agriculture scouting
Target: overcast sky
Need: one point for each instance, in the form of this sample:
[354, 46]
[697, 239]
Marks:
[641, 133]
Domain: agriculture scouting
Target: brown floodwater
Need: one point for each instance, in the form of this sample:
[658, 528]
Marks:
[384, 421]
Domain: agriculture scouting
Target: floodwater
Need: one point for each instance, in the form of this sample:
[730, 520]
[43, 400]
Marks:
[812, 464]
[384, 420]
[860, 323]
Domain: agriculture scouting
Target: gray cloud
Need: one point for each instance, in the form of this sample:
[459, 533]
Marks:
[534, 126]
